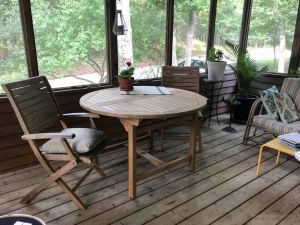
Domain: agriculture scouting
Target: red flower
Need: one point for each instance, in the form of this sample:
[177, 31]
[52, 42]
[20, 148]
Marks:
[128, 64]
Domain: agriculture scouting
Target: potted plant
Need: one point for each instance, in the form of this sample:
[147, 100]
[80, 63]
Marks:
[215, 65]
[245, 70]
[126, 78]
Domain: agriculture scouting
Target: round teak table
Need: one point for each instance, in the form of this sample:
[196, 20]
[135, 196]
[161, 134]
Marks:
[161, 110]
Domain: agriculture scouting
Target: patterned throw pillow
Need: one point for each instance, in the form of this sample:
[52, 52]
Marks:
[268, 100]
[285, 107]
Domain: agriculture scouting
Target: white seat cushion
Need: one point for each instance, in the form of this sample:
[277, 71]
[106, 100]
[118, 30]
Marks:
[85, 139]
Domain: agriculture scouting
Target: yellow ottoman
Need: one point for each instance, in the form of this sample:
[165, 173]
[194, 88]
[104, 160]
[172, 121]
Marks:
[275, 145]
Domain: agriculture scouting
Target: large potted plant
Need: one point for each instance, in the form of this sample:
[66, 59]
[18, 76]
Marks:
[215, 65]
[245, 70]
[126, 78]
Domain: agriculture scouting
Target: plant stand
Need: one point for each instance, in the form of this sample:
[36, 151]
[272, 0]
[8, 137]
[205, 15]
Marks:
[232, 106]
[230, 129]
[211, 96]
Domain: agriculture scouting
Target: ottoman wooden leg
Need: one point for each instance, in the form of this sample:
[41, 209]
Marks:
[259, 160]
[277, 158]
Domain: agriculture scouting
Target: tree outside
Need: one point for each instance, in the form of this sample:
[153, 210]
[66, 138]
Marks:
[146, 23]
[70, 38]
[190, 32]
[271, 32]
[12, 54]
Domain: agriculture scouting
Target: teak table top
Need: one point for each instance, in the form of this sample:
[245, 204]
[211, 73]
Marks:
[109, 102]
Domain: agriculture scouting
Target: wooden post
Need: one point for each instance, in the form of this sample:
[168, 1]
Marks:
[28, 36]
[169, 32]
[245, 25]
[111, 41]
[295, 56]
[211, 25]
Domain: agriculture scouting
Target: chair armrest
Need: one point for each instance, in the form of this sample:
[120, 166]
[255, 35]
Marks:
[47, 136]
[81, 114]
[254, 109]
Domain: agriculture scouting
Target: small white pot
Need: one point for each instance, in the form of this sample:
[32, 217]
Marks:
[216, 70]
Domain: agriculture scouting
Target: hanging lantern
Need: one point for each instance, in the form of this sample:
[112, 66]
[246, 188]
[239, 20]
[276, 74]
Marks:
[119, 27]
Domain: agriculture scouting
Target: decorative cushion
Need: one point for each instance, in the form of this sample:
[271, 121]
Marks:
[268, 100]
[270, 123]
[285, 107]
[85, 139]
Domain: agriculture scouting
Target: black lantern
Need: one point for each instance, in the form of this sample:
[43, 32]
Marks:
[119, 27]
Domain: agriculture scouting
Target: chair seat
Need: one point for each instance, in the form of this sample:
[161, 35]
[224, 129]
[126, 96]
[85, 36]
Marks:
[270, 123]
[85, 140]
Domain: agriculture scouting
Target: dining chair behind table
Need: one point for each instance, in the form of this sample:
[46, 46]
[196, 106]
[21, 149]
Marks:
[49, 137]
[186, 78]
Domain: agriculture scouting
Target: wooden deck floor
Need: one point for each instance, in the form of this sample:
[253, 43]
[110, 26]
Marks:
[223, 189]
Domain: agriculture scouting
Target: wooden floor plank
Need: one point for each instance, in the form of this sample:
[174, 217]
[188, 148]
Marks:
[279, 210]
[54, 190]
[236, 197]
[261, 201]
[167, 189]
[20, 175]
[190, 192]
[223, 189]
[292, 219]
[124, 194]
[76, 177]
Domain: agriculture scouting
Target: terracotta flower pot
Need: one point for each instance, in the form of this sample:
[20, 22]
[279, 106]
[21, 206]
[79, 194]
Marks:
[126, 84]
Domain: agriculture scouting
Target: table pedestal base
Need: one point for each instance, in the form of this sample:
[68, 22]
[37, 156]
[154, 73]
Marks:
[132, 125]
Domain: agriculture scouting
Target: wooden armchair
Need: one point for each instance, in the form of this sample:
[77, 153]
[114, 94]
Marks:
[46, 132]
[186, 78]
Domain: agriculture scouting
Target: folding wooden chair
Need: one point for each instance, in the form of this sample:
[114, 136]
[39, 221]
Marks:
[186, 78]
[38, 112]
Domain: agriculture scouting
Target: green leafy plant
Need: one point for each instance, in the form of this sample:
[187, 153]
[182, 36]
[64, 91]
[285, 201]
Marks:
[127, 73]
[244, 68]
[231, 101]
[294, 72]
[215, 55]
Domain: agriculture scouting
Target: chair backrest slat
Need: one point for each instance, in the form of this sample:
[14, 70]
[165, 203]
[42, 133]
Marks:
[186, 78]
[34, 104]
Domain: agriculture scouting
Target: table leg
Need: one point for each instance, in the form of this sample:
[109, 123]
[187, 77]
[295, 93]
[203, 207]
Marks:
[131, 161]
[130, 126]
[193, 140]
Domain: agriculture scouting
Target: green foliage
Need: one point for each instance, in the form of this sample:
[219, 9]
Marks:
[228, 21]
[127, 73]
[244, 68]
[183, 10]
[266, 20]
[148, 31]
[231, 101]
[215, 55]
[70, 34]
[67, 34]
[294, 72]
[12, 54]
